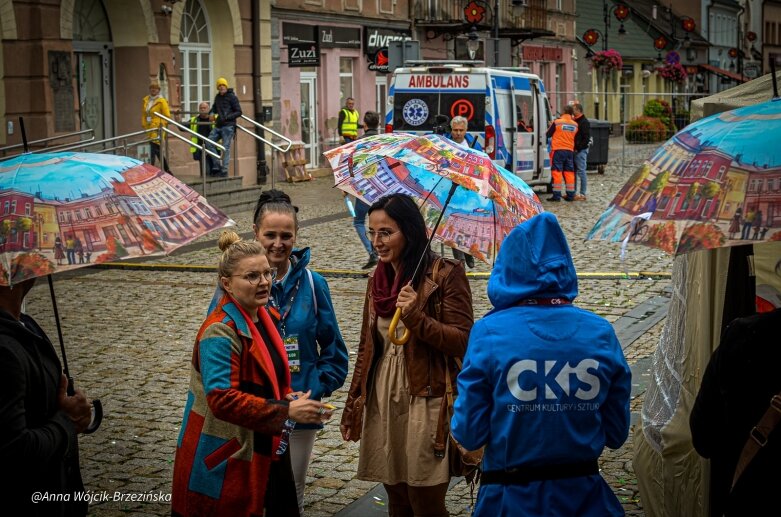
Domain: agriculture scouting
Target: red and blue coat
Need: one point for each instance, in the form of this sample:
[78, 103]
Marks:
[233, 417]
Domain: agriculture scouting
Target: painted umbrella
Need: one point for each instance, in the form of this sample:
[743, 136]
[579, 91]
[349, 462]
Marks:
[716, 183]
[477, 218]
[62, 211]
[467, 201]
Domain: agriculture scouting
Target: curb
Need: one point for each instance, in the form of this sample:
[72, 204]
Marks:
[352, 273]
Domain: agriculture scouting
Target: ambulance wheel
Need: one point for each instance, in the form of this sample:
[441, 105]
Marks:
[601, 169]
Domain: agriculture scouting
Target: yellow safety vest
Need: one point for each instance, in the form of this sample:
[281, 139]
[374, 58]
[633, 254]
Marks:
[194, 127]
[350, 123]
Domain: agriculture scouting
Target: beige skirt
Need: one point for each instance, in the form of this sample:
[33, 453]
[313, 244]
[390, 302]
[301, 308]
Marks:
[397, 443]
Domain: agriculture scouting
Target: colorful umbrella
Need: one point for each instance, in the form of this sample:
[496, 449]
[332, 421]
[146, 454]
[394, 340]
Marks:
[479, 216]
[62, 211]
[716, 183]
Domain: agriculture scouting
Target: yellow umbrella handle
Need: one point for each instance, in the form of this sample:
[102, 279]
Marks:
[392, 330]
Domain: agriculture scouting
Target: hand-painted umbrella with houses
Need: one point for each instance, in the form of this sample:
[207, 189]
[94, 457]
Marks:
[491, 202]
[61, 211]
[716, 183]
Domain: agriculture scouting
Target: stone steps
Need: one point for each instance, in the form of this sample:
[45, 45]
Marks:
[227, 194]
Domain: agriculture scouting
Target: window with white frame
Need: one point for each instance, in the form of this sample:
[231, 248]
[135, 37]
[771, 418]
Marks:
[195, 56]
[345, 79]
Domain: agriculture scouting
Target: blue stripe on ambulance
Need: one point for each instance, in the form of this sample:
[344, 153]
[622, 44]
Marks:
[389, 112]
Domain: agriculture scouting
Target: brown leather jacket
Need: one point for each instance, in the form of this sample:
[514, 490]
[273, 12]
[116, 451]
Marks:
[432, 336]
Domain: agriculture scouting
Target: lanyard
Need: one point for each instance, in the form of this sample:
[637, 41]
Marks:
[283, 313]
[544, 301]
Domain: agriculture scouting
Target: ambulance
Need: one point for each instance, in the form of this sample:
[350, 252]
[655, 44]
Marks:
[506, 108]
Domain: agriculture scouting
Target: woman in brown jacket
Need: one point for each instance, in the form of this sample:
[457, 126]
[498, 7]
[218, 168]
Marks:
[396, 398]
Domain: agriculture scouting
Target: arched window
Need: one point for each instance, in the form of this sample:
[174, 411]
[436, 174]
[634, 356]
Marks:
[90, 22]
[195, 56]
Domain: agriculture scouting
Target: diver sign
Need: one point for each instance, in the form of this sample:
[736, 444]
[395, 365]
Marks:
[525, 376]
[463, 108]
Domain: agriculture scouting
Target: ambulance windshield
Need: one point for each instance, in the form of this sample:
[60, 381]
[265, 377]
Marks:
[417, 111]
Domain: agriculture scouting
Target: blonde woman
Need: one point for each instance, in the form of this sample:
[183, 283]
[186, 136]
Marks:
[151, 104]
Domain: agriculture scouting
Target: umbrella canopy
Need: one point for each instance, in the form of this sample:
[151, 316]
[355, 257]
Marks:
[716, 183]
[479, 216]
[61, 211]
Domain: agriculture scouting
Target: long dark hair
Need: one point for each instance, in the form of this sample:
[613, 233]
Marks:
[403, 210]
[275, 201]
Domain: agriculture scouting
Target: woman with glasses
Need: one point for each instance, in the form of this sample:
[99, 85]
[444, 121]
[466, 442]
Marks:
[227, 460]
[300, 302]
[396, 404]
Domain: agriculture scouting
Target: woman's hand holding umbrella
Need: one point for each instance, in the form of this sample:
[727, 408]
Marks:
[76, 406]
[407, 299]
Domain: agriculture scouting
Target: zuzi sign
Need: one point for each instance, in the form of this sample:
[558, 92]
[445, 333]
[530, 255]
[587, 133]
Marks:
[303, 54]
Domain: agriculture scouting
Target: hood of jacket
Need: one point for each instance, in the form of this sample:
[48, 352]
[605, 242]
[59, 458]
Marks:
[299, 259]
[533, 262]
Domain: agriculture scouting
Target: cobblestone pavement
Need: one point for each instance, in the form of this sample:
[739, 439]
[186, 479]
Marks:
[129, 336]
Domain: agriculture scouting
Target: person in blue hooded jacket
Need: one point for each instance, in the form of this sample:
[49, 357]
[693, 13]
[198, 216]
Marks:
[544, 387]
[300, 303]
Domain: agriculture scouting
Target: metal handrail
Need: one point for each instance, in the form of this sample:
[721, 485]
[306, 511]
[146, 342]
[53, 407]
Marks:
[49, 139]
[70, 147]
[203, 147]
[288, 141]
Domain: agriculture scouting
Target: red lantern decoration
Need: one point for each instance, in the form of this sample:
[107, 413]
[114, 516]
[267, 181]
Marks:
[732, 53]
[751, 36]
[660, 43]
[591, 37]
[688, 24]
[621, 12]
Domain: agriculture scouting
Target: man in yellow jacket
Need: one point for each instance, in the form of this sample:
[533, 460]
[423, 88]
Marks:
[151, 104]
[348, 121]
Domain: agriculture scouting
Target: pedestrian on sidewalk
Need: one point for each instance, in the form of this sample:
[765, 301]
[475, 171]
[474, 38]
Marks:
[348, 121]
[459, 136]
[151, 104]
[39, 421]
[371, 124]
[394, 404]
[203, 125]
[300, 302]
[562, 134]
[228, 457]
[582, 142]
[545, 385]
[224, 112]
[737, 387]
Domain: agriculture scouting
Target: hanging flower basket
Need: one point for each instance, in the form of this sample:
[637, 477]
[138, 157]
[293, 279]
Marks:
[674, 72]
[607, 60]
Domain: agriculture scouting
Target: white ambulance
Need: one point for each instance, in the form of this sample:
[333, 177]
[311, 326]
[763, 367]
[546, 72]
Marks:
[507, 110]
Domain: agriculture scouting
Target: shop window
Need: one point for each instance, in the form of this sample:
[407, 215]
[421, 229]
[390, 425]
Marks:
[195, 57]
[345, 79]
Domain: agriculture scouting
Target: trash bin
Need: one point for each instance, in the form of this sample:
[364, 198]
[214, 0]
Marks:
[597, 153]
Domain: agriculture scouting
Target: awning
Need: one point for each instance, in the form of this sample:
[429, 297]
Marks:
[725, 73]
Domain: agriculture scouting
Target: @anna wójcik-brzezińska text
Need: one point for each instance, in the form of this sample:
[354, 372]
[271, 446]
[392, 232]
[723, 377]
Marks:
[101, 496]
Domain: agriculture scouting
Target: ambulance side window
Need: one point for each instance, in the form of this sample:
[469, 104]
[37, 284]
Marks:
[524, 113]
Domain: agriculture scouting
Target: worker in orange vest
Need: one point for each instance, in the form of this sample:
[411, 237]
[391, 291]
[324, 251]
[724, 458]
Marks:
[562, 134]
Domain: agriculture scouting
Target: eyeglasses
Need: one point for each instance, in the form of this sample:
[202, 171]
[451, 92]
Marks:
[253, 277]
[384, 235]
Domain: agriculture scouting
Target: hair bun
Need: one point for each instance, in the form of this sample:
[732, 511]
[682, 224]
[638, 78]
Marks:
[227, 237]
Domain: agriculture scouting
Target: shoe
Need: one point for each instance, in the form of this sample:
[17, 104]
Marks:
[470, 261]
[371, 263]
[580, 197]
[554, 199]
[568, 199]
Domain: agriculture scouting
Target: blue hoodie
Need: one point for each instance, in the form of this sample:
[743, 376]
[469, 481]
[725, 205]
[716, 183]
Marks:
[541, 384]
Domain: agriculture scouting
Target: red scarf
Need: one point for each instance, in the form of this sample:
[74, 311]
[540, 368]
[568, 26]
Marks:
[386, 285]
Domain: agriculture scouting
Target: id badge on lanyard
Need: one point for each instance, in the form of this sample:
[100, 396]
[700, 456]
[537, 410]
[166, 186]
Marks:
[293, 353]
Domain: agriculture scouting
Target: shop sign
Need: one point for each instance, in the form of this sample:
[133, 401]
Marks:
[751, 70]
[379, 61]
[533, 53]
[303, 54]
[298, 33]
[375, 38]
[339, 37]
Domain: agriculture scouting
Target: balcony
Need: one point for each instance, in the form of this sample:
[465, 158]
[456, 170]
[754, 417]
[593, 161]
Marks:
[446, 18]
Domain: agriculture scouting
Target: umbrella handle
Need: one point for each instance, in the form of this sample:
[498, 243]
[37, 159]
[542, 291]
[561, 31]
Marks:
[399, 341]
[97, 417]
